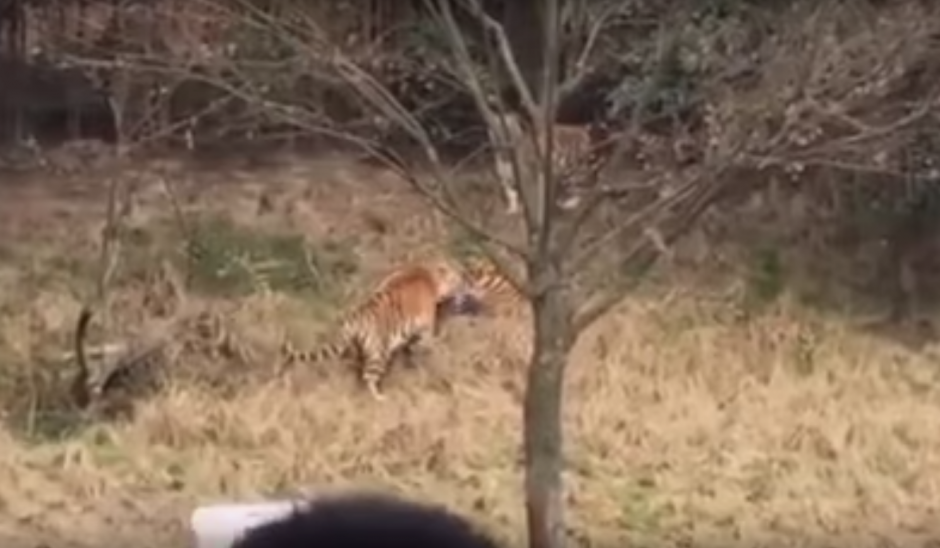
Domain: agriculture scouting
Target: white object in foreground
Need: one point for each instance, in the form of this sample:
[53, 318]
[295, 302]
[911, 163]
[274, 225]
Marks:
[219, 526]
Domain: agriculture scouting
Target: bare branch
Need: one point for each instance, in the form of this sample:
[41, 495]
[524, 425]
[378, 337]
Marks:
[870, 133]
[857, 167]
[581, 64]
[646, 251]
[372, 91]
[505, 51]
[463, 66]
[80, 390]
[639, 220]
[379, 97]
[506, 139]
[398, 114]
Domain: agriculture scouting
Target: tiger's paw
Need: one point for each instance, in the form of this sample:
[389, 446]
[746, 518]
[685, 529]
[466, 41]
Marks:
[374, 391]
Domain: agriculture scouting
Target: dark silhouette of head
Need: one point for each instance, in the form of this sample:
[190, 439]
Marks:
[363, 520]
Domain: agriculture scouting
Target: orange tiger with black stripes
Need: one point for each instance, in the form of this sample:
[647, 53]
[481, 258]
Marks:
[403, 308]
[580, 153]
[488, 288]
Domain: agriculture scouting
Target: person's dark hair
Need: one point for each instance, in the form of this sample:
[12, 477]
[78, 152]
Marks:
[363, 520]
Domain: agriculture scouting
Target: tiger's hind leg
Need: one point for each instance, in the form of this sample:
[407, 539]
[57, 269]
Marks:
[374, 370]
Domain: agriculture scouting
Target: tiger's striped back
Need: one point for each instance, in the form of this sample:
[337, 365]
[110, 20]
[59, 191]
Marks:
[579, 154]
[401, 310]
[490, 286]
[582, 152]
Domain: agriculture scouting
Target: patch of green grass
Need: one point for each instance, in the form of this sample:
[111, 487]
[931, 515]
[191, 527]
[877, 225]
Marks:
[642, 511]
[464, 245]
[226, 259]
[765, 280]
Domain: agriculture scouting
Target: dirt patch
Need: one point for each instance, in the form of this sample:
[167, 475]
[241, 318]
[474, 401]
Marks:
[684, 422]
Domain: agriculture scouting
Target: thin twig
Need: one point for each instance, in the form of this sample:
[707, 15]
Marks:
[645, 251]
[505, 50]
[581, 64]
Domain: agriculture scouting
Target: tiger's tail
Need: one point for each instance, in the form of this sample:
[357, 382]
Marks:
[292, 355]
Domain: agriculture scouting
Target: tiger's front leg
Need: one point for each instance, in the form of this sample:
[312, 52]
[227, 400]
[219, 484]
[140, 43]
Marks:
[409, 354]
[414, 349]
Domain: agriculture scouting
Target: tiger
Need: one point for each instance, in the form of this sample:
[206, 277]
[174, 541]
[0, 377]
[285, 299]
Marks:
[488, 287]
[402, 309]
[580, 153]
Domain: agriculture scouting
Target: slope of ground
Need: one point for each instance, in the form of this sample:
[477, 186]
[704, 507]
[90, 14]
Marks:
[686, 424]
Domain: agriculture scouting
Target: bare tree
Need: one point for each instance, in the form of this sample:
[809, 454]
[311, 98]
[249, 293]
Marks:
[797, 116]
[557, 246]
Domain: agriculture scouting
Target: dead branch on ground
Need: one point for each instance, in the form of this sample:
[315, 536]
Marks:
[108, 261]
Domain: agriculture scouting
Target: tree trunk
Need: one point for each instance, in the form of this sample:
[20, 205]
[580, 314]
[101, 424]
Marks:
[543, 410]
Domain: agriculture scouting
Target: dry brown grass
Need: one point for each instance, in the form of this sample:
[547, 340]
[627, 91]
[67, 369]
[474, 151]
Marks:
[683, 423]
